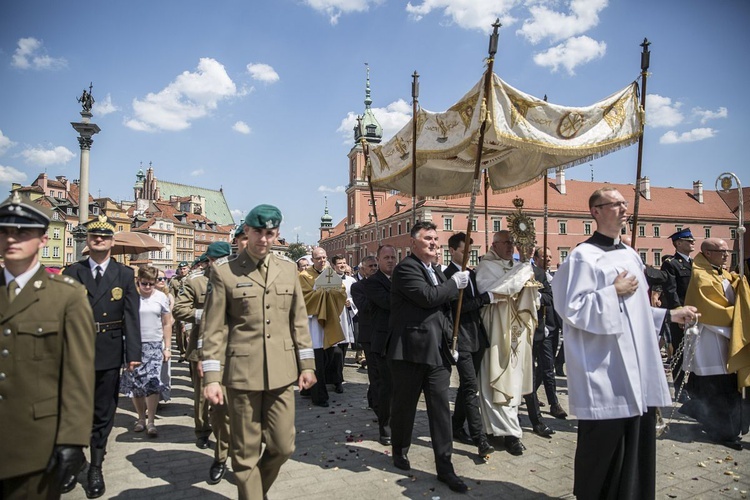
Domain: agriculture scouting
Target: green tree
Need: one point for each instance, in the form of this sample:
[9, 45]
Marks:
[296, 250]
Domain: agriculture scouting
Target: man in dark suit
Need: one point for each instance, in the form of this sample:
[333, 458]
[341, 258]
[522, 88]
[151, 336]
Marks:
[46, 361]
[367, 268]
[540, 350]
[373, 299]
[679, 269]
[472, 341]
[546, 336]
[419, 350]
[111, 292]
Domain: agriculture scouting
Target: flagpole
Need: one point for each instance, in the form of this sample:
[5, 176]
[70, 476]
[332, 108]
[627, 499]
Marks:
[368, 173]
[546, 214]
[414, 103]
[475, 186]
[486, 211]
[645, 60]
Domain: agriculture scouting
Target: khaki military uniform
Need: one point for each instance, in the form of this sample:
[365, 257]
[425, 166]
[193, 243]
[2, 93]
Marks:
[178, 326]
[263, 324]
[188, 306]
[46, 372]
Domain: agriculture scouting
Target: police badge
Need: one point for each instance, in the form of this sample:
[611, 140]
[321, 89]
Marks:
[116, 293]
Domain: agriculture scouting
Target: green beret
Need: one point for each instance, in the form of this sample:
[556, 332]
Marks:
[264, 217]
[239, 231]
[102, 225]
[183, 264]
[202, 258]
[218, 249]
[18, 211]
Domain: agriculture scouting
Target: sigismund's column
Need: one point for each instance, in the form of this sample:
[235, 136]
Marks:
[85, 130]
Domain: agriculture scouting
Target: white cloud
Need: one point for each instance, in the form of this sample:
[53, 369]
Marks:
[42, 157]
[241, 127]
[192, 95]
[9, 175]
[31, 54]
[697, 134]
[662, 112]
[392, 118]
[334, 8]
[262, 72]
[104, 107]
[706, 114]
[468, 14]
[297, 229]
[327, 189]
[547, 23]
[5, 143]
[238, 214]
[571, 53]
[196, 173]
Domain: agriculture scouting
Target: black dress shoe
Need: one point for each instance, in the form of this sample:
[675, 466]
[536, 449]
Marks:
[68, 484]
[401, 462]
[305, 393]
[514, 446]
[385, 440]
[216, 472]
[485, 448]
[558, 412]
[454, 482]
[462, 436]
[202, 442]
[541, 429]
[339, 388]
[323, 404]
[96, 487]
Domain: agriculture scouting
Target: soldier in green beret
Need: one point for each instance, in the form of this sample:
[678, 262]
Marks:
[189, 308]
[46, 361]
[255, 327]
[178, 327]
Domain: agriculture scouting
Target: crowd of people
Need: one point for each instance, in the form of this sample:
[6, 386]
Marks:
[255, 326]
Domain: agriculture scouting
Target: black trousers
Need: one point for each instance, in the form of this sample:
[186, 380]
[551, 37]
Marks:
[335, 356]
[716, 403]
[319, 392]
[616, 458]
[106, 395]
[434, 381]
[467, 399]
[543, 352]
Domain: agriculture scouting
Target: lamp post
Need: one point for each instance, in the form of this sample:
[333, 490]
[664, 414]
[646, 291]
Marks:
[726, 181]
[85, 130]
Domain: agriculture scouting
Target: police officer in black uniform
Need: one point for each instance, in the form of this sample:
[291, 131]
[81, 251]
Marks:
[678, 268]
[111, 292]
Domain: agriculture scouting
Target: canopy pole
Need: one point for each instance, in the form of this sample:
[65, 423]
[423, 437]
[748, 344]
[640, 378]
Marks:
[546, 214]
[645, 60]
[368, 173]
[415, 117]
[486, 211]
[477, 165]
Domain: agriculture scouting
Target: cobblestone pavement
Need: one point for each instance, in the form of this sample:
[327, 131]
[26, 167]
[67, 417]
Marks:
[338, 456]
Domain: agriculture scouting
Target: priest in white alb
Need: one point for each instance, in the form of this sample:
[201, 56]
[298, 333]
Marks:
[506, 373]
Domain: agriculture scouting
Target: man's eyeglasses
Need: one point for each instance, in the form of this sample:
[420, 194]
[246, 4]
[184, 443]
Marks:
[146, 284]
[615, 204]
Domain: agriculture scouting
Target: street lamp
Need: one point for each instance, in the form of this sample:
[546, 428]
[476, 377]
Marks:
[727, 180]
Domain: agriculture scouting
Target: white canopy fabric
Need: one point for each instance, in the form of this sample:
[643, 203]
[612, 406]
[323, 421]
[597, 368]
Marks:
[525, 137]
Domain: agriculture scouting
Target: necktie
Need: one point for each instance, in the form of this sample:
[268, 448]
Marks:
[262, 268]
[12, 288]
[98, 277]
[433, 276]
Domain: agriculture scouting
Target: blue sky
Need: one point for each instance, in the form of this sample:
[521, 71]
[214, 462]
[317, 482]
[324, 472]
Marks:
[259, 96]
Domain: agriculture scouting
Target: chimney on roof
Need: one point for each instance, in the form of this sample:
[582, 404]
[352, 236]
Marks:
[698, 191]
[560, 180]
[645, 189]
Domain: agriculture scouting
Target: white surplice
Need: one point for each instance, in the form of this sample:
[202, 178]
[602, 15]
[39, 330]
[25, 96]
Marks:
[611, 343]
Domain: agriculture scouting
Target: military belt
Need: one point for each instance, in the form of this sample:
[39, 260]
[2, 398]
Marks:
[108, 325]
